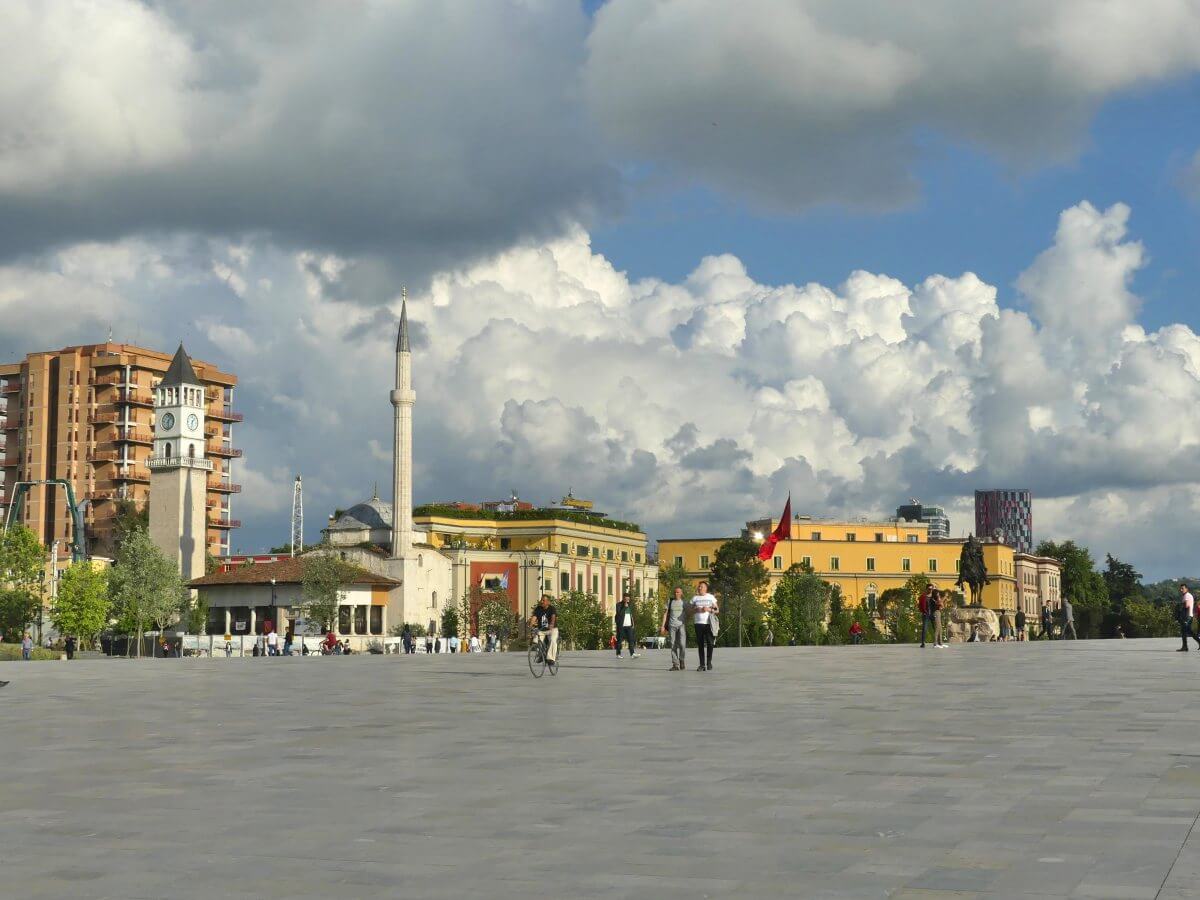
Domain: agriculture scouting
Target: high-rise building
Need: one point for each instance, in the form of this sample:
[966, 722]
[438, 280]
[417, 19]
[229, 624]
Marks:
[1006, 515]
[85, 414]
[933, 516]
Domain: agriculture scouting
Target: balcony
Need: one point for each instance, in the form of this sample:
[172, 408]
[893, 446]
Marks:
[224, 487]
[225, 414]
[99, 496]
[135, 398]
[11, 387]
[103, 456]
[132, 474]
[12, 460]
[106, 418]
[219, 449]
[212, 429]
[10, 425]
[133, 436]
[222, 522]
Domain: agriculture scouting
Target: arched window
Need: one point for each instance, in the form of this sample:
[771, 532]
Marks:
[191, 451]
[433, 600]
[168, 455]
[871, 597]
[420, 560]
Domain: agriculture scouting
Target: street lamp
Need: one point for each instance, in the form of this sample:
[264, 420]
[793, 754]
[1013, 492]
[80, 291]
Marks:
[274, 615]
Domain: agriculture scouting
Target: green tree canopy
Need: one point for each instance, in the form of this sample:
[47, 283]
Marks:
[582, 622]
[737, 580]
[82, 606]
[323, 585]
[144, 584]
[798, 607]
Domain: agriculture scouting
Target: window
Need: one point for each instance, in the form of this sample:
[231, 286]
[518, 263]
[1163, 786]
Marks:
[564, 549]
[595, 553]
[870, 564]
[360, 619]
[906, 565]
[850, 536]
[704, 562]
[933, 565]
[596, 585]
[344, 619]
[679, 561]
[433, 600]
[581, 550]
[806, 562]
[778, 562]
[610, 587]
[835, 564]
[579, 582]
[816, 535]
[637, 557]
[376, 620]
[624, 556]
[505, 543]
[168, 449]
[958, 565]
[912, 538]
[872, 597]
[879, 537]
[564, 582]
[609, 553]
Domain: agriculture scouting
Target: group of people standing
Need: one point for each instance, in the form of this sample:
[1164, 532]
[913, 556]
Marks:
[932, 601]
[704, 610]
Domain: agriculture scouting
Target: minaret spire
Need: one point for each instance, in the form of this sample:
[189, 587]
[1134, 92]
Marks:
[403, 397]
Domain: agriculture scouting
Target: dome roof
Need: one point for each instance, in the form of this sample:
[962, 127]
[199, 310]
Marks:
[372, 514]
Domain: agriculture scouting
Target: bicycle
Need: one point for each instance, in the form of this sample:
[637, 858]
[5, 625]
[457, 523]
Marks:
[538, 664]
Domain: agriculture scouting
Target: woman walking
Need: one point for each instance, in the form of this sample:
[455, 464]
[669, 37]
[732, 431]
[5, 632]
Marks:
[704, 606]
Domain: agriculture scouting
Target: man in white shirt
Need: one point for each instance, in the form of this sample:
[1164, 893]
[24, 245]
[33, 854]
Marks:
[273, 643]
[623, 625]
[704, 606]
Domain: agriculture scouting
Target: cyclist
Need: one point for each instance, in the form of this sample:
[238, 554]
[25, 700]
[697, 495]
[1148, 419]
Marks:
[545, 620]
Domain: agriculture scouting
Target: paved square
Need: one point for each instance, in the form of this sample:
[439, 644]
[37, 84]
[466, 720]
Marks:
[1017, 770]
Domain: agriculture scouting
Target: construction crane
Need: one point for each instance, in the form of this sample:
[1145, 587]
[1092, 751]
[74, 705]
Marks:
[78, 534]
[297, 517]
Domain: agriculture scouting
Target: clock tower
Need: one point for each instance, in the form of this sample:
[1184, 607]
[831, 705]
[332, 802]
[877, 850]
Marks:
[178, 469]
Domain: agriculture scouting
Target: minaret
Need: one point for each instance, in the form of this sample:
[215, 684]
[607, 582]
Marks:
[403, 399]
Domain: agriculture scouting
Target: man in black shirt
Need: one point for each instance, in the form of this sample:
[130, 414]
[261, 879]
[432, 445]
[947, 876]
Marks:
[545, 620]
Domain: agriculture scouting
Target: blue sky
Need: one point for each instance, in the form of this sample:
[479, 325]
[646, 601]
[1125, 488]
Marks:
[975, 213]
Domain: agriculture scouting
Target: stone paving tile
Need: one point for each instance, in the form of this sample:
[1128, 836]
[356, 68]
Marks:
[811, 772]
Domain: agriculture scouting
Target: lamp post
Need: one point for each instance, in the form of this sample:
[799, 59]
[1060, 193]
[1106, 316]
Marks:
[274, 615]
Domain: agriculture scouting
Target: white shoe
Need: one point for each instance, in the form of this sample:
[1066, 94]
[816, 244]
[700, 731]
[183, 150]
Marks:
[942, 646]
[635, 655]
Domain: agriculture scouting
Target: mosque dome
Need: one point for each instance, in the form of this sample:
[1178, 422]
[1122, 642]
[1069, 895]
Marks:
[372, 514]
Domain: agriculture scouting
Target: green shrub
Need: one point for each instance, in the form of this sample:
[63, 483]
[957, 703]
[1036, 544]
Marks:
[13, 651]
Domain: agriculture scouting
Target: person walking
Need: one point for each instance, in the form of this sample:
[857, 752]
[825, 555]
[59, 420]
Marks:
[1068, 614]
[453, 643]
[623, 620]
[289, 638]
[704, 606]
[1047, 621]
[473, 645]
[69, 646]
[769, 638]
[428, 644]
[1021, 624]
[26, 646]
[1186, 612]
[273, 643]
[1005, 626]
[675, 631]
[406, 639]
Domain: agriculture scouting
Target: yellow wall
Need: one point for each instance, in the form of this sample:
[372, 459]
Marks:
[862, 563]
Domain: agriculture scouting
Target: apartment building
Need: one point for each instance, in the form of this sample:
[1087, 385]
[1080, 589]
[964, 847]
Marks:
[85, 414]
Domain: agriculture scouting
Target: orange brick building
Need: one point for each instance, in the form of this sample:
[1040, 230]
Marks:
[86, 414]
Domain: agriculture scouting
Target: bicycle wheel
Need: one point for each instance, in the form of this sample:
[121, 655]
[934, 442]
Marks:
[537, 662]
[553, 667]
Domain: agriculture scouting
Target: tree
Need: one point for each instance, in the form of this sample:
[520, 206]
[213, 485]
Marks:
[1081, 584]
[496, 616]
[840, 618]
[449, 621]
[1124, 585]
[798, 607]
[323, 585]
[128, 517]
[738, 579]
[671, 577]
[144, 585]
[83, 604]
[22, 568]
[1150, 618]
[582, 622]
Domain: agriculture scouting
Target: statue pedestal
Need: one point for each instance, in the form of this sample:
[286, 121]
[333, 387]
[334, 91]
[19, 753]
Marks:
[956, 623]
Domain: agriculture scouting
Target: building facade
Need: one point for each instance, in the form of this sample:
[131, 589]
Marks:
[1006, 516]
[863, 559]
[933, 516]
[1039, 581]
[85, 414]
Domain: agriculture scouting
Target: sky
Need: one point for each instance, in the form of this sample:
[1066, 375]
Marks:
[681, 257]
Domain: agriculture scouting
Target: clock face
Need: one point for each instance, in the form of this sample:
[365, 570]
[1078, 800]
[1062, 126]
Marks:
[168, 421]
[193, 422]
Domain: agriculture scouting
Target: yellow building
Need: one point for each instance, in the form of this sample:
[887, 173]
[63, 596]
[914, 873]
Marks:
[863, 558]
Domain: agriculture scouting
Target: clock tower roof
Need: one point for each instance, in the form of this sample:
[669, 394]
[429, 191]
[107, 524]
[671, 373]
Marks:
[180, 371]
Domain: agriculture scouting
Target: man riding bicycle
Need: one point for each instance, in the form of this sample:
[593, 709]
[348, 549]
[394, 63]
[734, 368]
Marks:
[545, 620]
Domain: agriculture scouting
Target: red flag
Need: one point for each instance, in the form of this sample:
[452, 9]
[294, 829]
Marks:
[782, 532]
